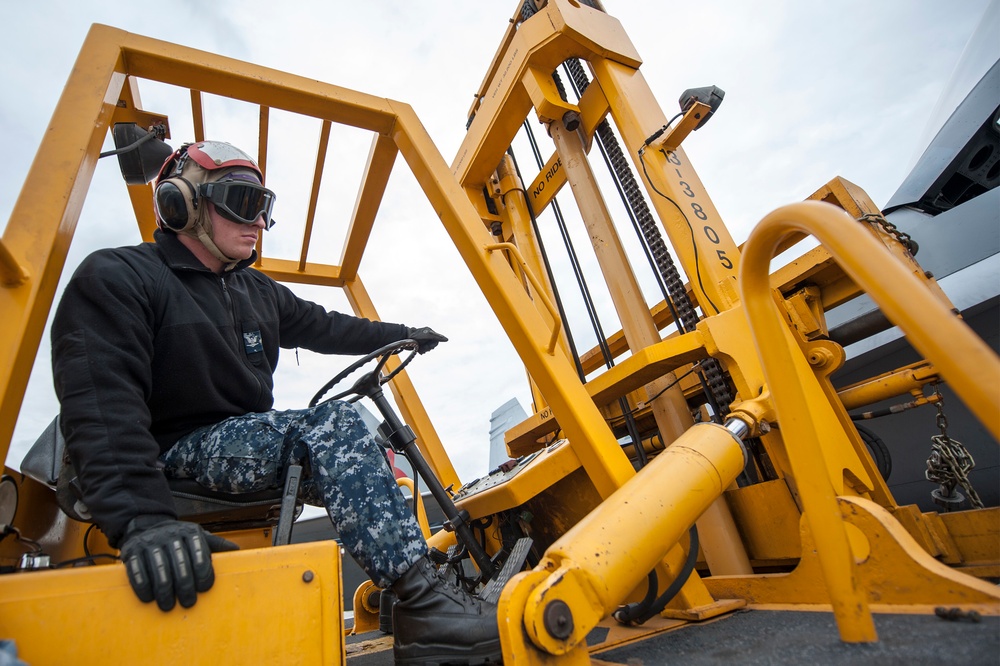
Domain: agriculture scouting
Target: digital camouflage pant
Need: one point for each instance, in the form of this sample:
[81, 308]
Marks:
[344, 471]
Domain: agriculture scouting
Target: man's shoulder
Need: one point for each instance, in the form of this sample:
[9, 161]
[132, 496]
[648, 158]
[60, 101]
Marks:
[113, 261]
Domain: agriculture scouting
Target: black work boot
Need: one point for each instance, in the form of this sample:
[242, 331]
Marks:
[435, 621]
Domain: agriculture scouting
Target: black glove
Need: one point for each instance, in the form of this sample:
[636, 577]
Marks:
[426, 338]
[168, 558]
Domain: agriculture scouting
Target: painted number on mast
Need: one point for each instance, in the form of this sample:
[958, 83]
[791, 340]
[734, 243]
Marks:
[697, 210]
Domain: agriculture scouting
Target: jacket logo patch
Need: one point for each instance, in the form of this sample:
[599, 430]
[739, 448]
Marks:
[252, 342]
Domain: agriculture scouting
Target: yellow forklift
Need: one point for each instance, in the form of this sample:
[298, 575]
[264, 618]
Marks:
[694, 487]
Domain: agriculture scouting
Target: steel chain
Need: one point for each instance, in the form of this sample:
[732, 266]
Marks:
[949, 465]
[892, 230]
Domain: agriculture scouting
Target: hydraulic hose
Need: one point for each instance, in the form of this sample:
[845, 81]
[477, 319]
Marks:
[638, 613]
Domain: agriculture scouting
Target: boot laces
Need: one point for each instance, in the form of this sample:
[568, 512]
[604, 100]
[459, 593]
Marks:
[459, 592]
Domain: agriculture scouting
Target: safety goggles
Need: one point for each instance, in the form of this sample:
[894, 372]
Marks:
[241, 201]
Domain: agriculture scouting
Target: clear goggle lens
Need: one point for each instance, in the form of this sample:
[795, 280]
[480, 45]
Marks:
[240, 201]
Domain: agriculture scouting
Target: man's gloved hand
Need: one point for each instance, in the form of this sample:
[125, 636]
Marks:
[426, 338]
[167, 558]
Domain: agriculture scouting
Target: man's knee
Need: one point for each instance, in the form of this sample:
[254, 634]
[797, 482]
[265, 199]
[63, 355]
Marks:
[338, 414]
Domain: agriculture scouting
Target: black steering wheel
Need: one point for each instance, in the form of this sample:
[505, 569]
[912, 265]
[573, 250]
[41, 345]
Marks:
[367, 384]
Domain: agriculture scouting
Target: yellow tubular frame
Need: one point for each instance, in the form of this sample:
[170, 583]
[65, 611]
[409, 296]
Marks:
[964, 360]
[43, 221]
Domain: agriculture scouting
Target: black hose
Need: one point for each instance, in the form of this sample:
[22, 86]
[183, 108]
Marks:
[638, 613]
[880, 452]
[132, 146]
[588, 300]
[548, 271]
[627, 614]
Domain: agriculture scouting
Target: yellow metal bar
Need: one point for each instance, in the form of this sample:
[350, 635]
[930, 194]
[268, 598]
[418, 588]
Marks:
[286, 270]
[653, 361]
[541, 88]
[198, 115]
[673, 138]
[505, 41]
[632, 373]
[701, 241]
[129, 110]
[418, 502]
[546, 184]
[324, 142]
[591, 438]
[896, 570]
[265, 123]
[599, 561]
[264, 130]
[517, 217]
[670, 408]
[168, 63]
[378, 168]
[141, 196]
[539, 291]
[593, 358]
[898, 382]
[44, 217]
[410, 406]
[560, 30]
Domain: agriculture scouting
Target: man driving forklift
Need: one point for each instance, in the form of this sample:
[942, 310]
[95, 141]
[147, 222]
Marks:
[163, 358]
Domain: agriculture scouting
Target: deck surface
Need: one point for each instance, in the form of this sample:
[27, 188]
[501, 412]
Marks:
[766, 637]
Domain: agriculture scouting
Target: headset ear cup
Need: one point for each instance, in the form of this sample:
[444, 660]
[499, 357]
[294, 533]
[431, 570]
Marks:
[174, 210]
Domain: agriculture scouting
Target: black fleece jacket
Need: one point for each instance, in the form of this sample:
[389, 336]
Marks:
[149, 345]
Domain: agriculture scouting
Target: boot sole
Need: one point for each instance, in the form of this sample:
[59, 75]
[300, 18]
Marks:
[416, 654]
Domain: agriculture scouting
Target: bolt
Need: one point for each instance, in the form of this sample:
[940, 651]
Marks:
[558, 619]
[571, 119]
[820, 357]
[308, 576]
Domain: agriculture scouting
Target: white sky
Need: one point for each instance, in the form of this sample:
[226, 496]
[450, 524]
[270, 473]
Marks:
[813, 90]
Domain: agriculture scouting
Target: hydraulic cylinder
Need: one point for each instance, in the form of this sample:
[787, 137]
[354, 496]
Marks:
[608, 553]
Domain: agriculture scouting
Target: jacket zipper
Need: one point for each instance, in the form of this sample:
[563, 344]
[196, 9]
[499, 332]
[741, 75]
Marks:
[230, 306]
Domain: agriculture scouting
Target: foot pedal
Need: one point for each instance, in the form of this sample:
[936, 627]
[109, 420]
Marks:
[514, 563]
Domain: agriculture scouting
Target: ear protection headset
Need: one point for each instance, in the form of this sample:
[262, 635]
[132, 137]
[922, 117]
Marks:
[174, 210]
[176, 196]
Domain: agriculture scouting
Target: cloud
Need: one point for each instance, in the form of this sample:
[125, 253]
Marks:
[812, 91]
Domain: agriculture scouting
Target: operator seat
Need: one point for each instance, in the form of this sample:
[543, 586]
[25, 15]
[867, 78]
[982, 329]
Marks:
[274, 508]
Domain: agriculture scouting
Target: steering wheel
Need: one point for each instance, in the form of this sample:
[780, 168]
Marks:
[367, 384]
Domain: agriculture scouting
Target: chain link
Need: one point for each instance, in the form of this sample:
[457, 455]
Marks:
[892, 230]
[949, 465]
